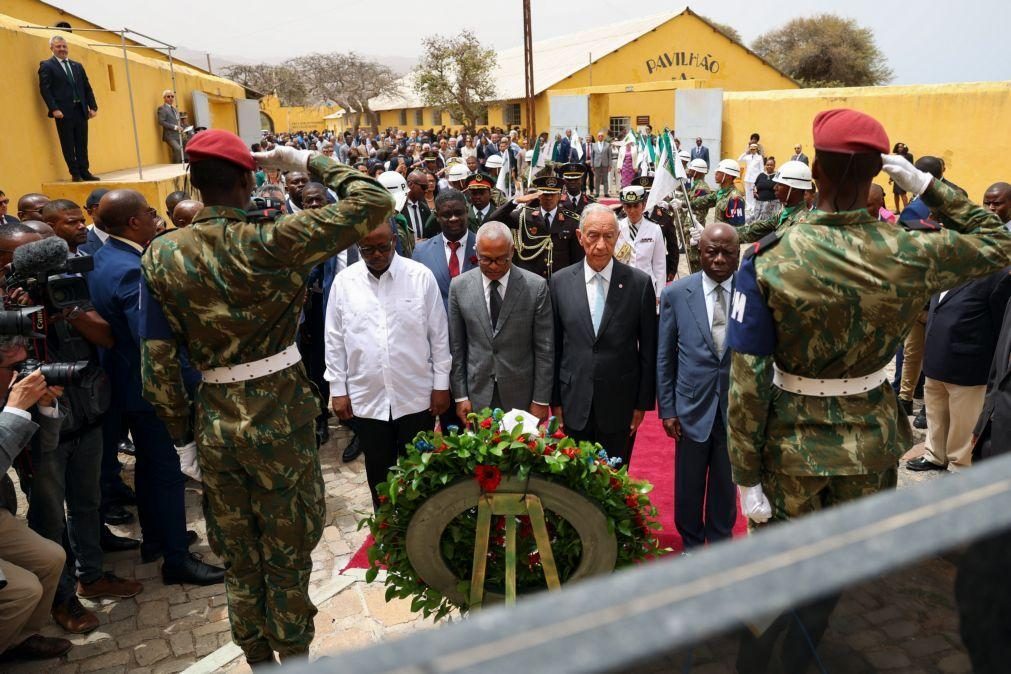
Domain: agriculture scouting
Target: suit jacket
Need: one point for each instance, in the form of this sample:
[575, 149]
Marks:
[423, 209]
[168, 118]
[9, 220]
[518, 354]
[600, 158]
[701, 153]
[800, 157]
[59, 93]
[432, 254]
[996, 415]
[561, 151]
[612, 373]
[91, 246]
[691, 379]
[962, 330]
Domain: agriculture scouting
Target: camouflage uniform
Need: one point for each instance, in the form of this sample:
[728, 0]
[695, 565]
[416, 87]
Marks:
[230, 291]
[841, 290]
[754, 231]
[729, 205]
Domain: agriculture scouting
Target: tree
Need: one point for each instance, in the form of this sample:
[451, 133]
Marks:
[455, 74]
[825, 51]
[281, 81]
[347, 80]
[726, 28]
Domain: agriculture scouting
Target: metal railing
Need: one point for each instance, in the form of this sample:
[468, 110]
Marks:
[638, 614]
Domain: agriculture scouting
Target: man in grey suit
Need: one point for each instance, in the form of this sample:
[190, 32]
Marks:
[700, 151]
[600, 163]
[693, 377]
[605, 340]
[501, 331]
[171, 129]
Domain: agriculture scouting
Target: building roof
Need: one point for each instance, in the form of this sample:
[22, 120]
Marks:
[554, 59]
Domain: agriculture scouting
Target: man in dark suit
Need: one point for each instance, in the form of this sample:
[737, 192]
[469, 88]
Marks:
[5, 218]
[115, 291]
[798, 154]
[415, 209]
[500, 332]
[605, 340]
[700, 151]
[693, 377]
[96, 230]
[961, 336]
[67, 92]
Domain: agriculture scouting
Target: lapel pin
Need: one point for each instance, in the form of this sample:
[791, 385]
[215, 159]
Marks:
[621, 285]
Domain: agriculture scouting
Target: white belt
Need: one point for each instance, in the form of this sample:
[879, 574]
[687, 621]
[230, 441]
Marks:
[254, 370]
[827, 388]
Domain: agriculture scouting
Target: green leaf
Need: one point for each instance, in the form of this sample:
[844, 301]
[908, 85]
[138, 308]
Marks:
[371, 574]
[391, 592]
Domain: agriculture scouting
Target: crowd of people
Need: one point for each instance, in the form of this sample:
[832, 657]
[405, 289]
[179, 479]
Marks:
[422, 276]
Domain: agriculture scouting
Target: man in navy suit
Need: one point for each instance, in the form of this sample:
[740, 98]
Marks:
[700, 151]
[115, 292]
[692, 379]
[70, 101]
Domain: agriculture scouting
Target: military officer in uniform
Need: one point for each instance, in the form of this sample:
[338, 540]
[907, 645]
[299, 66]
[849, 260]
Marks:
[818, 313]
[574, 198]
[698, 188]
[791, 182]
[229, 291]
[545, 231]
[478, 190]
[640, 240]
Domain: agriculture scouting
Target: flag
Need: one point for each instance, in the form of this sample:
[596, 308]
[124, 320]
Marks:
[665, 179]
[535, 160]
[576, 143]
[505, 182]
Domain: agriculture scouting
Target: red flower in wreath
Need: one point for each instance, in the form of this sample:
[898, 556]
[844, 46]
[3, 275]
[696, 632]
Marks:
[632, 501]
[486, 423]
[488, 477]
[615, 483]
[558, 435]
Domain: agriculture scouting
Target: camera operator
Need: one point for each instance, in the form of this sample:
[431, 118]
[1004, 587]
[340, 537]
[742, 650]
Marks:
[70, 474]
[30, 566]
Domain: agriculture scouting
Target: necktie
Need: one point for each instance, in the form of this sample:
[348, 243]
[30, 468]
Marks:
[547, 221]
[633, 230]
[494, 303]
[416, 217]
[719, 321]
[454, 261]
[66, 69]
[597, 308]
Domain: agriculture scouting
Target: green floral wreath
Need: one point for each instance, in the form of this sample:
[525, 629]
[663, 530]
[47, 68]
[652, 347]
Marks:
[485, 453]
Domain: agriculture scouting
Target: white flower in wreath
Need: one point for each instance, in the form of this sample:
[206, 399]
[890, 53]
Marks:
[525, 420]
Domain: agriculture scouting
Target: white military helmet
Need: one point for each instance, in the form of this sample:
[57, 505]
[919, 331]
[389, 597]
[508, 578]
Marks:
[458, 173]
[729, 167]
[397, 186]
[494, 161]
[699, 165]
[685, 156]
[795, 174]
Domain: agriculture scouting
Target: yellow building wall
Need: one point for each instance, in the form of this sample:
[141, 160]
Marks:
[961, 123]
[31, 150]
[288, 119]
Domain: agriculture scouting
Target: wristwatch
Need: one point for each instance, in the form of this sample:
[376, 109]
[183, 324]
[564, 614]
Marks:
[73, 313]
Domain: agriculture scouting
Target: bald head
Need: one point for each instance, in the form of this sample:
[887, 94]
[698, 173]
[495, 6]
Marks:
[117, 207]
[40, 228]
[719, 251]
[185, 211]
[30, 206]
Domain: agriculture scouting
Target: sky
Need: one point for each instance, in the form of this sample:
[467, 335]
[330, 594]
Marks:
[925, 42]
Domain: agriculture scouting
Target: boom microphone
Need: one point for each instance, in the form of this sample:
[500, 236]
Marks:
[40, 256]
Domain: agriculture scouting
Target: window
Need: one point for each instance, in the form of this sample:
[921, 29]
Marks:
[419, 117]
[511, 115]
[619, 126]
[403, 118]
[436, 117]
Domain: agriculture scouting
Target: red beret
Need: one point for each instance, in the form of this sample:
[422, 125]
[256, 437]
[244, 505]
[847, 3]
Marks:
[849, 131]
[220, 144]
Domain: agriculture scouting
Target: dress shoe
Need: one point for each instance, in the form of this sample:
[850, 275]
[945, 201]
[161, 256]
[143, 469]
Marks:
[150, 552]
[76, 179]
[109, 585]
[352, 451]
[923, 463]
[119, 492]
[90, 177]
[921, 419]
[322, 433]
[38, 647]
[117, 515]
[112, 543]
[906, 406]
[126, 447]
[192, 571]
[74, 618]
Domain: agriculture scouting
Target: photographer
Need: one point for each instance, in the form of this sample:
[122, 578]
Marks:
[30, 566]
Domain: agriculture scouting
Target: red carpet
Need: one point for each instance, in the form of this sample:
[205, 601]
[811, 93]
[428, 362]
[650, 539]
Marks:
[653, 461]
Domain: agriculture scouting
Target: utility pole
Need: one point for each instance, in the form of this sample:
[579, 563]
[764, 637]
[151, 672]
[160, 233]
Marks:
[528, 65]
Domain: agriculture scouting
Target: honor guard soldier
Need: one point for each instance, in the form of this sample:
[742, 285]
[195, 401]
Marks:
[698, 188]
[818, 312]
[640, 240]
[728, 201]
[545, 232]
[574, 198]
[229, 291]
[790, 184]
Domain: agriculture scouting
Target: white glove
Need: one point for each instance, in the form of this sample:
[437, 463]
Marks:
[284, 158]
[696, 236]
[754, 504]
[188, 460]
[905, 175]
[676, 203]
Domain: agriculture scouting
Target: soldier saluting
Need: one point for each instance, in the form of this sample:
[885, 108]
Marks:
[819, 311]
[230, 291]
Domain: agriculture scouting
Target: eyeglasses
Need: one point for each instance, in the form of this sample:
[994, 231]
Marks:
[170, 97]
[4, 202]
[497, 261]
[369, 251]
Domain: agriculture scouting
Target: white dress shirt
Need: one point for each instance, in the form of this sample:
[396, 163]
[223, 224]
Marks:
[374, 351]
[481, 215]
[649, 250]
[102, 236]
[459, 251]
[591, 288]
[709, 292]
[553, 213]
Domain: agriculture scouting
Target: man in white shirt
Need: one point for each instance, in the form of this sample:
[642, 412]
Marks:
[754, 164]
[640, 240]
[387, 351]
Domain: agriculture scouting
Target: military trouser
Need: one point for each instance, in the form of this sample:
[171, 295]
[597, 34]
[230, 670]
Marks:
[265, 511]
[787, 645]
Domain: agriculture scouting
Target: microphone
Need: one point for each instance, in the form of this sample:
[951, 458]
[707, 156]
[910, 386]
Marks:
[40, 256]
